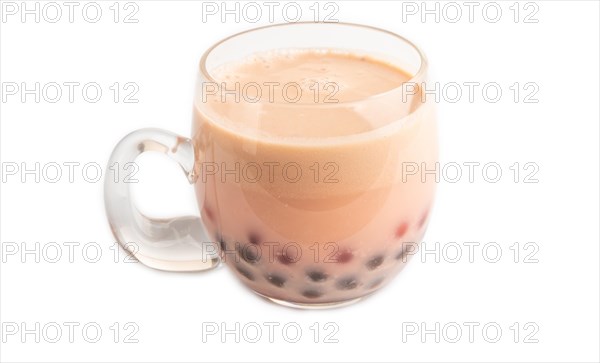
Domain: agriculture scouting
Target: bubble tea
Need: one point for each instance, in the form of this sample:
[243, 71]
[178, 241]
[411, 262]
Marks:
[307, 155]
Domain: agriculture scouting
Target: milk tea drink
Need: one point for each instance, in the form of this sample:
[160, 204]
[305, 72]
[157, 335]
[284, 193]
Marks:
[303, 158]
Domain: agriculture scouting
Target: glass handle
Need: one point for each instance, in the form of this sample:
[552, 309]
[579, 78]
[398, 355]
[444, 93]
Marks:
[174, 244]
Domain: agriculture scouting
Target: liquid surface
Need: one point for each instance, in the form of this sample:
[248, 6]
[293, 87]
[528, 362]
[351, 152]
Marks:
[352, 77]
[285, 84]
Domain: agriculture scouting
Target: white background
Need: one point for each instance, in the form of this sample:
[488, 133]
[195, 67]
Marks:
[160, 53]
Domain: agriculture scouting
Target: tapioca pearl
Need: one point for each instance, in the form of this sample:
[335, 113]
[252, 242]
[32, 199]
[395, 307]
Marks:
[347, 283]
[375, 283]
[275, 279]
[229, 251]
[401, 230]
[253, 238]
[402, 255]
[317, 276]
[408, 249]
[399, 255]
[374, 262]
[222, 242]
[343, 256]
[285, 259]
[244, 272]
[249, 253]
[312, 294]
[288, 256]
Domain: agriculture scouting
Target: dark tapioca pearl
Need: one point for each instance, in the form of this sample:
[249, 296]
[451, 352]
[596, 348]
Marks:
[247, 274]
[343, 256]
[401, 255]
[347, 283]
[312, 294]
[375, 283]
[222, 242]
[249, 253]
[375, 262]
[228, 252]
[286, 258]
[401, 230]
[317, 276]
[408, 249]
[275, 279]
[253, 238]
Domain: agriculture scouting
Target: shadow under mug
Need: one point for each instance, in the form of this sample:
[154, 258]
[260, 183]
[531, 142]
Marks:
[307, 221]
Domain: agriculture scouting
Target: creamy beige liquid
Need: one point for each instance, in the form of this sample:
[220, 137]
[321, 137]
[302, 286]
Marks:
[305, 190]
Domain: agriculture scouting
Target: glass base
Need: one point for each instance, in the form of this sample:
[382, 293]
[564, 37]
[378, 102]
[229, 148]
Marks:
[308, 306]
[178, 266]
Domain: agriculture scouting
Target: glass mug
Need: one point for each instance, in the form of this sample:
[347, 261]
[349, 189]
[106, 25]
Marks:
[303, 221]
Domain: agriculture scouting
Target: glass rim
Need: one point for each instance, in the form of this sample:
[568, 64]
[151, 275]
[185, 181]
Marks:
[413, 79]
